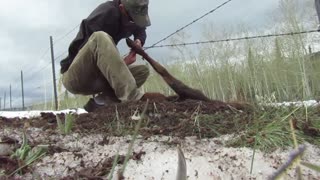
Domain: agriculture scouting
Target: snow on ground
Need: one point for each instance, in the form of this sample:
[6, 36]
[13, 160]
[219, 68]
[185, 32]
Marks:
[309, 103]
[205, 158]
[30, 114]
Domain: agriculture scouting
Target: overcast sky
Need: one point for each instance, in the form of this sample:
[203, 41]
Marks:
[27, 24]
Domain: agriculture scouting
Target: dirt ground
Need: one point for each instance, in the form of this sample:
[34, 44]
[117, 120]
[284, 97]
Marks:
[89, 152]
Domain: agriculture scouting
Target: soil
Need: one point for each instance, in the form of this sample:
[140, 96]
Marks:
[163, 118]
[81, 152]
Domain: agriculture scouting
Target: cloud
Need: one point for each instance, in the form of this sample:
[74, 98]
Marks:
[27, 25]
[27, 14]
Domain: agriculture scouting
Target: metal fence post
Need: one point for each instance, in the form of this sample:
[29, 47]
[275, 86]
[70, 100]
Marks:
[10, 98]
[54, 74]
[22, 90]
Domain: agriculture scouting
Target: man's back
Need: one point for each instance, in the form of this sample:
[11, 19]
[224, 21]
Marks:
[107, 18]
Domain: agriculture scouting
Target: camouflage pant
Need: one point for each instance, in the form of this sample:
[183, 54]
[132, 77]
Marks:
[98, 67]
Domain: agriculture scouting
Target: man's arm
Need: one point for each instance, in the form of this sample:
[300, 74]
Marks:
[140, 37]
[140, 34]
[132, 56]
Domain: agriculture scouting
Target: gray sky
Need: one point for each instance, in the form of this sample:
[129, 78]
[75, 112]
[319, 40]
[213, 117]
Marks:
[26, 27]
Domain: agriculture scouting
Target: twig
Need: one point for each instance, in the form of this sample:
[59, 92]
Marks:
[133, 140]
[294, 155]
[182, 166]
[253, 155]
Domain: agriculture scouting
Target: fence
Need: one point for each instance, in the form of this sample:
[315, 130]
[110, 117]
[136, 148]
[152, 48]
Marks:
[6, 104]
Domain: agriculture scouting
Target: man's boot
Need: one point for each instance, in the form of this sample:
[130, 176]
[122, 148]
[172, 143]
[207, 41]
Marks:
[99, 101]
[91, 105]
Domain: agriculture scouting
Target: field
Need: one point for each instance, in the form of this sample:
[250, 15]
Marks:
[251, 134]
[218, 142]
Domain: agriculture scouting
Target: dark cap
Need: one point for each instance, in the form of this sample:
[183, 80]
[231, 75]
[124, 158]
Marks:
[138, 10]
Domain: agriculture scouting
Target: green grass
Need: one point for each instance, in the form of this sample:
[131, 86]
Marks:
[281, 73]
[294, 159]
[277, 69]
[66, 125]
[250, 70]
[64, 102]
[27, 155]
[257, 71]
[286, 76]
[311, 166]
[134, 138]
[270, 128]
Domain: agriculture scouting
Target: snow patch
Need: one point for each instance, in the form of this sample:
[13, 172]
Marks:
[30, 114]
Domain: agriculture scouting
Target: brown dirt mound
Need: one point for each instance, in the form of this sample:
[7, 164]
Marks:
[184, 118]
[166, 118]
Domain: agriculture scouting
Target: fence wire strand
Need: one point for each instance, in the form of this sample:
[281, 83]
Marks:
[67, 34]
[235, 39]
[194, 21]
[155, 45]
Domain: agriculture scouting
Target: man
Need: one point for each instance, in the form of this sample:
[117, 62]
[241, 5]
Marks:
[94, 65]
[317, 4]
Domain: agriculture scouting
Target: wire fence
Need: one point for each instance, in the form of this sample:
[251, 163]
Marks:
[31, 71]
[189, 24]
[236, 39]
[66, 35]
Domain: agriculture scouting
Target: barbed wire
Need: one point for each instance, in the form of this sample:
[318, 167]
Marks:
[155, 45]
[29, 69]
[39, 70]
[26, 75]
[31, 65]
[194, 21]
[206, 42]
[61, 55]
[235, 39]
[67, 34]
[77, 26]
[47, 65]
[48, 49]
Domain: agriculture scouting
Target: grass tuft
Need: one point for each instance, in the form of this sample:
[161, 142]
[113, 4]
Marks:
[27, 155]
[135, 134]
[268, 128]
[66, 126]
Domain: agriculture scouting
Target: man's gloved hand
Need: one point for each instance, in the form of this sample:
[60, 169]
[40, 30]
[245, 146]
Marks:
[132, 57]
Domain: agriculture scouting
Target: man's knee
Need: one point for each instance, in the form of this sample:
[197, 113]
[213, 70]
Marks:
[145, 70]
[140, 73]
[67, 83]
[140, 70]
[101, 36]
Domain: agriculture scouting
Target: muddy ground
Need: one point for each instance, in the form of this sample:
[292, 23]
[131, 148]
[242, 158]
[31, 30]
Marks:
[96, 138]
